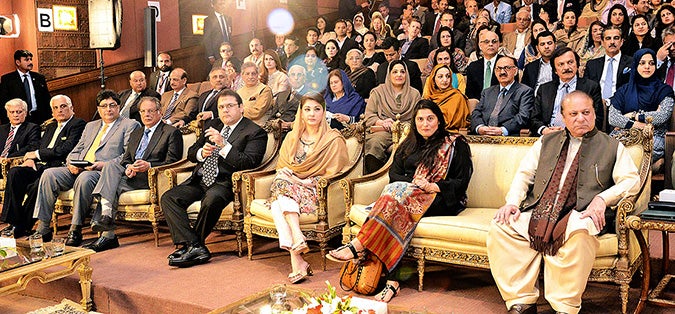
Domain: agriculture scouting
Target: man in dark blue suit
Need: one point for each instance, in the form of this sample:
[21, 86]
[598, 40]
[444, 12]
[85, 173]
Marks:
[488, 42]
[230, 143]
[18, 136]
[217, 29]
[27, 85]
[59, 139]
[612, 70]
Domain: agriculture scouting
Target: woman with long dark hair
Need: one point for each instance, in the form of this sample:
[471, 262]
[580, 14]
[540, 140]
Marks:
[639, 38]
[593, 46]
[430, 174]
[618, 16]
[530, 52]
[665, 17]
[272, 73]
[445, 38]
[333, 60]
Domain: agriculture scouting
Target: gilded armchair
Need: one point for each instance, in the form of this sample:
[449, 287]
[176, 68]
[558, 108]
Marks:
[320, 226]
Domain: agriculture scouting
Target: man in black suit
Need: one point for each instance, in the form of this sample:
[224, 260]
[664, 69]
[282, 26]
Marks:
[415, 46]
[313, 41]
[488, 42]
[27, 85]
[555, 8]
[504, 108]
[546, 116]
[384, 10]
[612, 70]
[540, 71]
[155, 144]
[230, 143]
[433, 20]
[390, 47]
[207, 103]
[21, 187]
[129, 98]
[448, 20]
[217, 29]
[159, 80]
[18, 136]
[343, 41]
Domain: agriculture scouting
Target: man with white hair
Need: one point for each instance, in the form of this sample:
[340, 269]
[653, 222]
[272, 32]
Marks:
[18, 136]
[59, 139]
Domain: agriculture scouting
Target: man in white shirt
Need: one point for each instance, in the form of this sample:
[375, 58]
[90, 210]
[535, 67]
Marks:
[256, 48]
[612, 70]
[516, 41]
[159, 80]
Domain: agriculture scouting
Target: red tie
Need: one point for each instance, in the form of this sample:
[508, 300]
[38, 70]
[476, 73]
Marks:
[670, 76]
[438, 24]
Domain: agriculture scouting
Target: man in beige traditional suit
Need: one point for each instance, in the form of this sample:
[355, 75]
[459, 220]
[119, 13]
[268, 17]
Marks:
[257, 96]
[179, 104]
[516, 41]
[555, 209]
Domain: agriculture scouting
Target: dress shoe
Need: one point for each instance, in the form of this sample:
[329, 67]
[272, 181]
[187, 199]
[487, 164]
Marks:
[523, 309]
[105, 223]
[103, 243]
[74, 238]
[7, 231]
[195, 253]
[46, 237]
[178, 252]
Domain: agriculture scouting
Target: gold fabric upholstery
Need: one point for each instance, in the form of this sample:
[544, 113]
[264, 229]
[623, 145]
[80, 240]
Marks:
[461, 239]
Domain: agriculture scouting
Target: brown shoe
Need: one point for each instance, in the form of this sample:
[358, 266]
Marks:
[523, 309]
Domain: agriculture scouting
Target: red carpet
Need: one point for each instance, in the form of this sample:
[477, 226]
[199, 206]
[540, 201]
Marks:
[135, 278]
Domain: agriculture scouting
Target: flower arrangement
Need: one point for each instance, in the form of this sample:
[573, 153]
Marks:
[330, 303]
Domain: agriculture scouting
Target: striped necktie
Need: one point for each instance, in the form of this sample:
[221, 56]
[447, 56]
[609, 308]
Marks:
[8, 142]
[171, 107]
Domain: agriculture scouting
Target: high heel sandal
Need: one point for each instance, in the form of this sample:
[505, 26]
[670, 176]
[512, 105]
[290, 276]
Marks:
[300, 248]
[355, 254]
[382, 296]
[299, 276]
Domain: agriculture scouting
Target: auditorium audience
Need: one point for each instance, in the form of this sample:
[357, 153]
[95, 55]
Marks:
[312, 150]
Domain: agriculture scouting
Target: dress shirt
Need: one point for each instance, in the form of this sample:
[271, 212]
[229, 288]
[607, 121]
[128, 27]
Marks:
[33, 104]
[226, 149]
[572, 85]
[615, 68]
[56, 134]
[545, 74]
[624, 174]
[492, 65]
[520, 43]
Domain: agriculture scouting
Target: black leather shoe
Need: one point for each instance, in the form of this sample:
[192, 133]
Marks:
[7, 231]
[47, 237]
[105, 223]
[103, 243]
[178, 252]
[195, 254]
[74, 238]
[523, 309]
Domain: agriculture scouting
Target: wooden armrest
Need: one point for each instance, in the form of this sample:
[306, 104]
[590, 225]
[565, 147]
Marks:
[348, 184]
[524, 132]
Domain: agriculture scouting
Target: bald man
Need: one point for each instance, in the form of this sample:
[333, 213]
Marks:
[129, 98]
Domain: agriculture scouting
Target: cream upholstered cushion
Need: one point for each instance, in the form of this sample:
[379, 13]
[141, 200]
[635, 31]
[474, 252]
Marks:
[135, 197]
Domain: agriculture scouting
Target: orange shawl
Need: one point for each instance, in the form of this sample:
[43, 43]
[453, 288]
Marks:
[451, 101]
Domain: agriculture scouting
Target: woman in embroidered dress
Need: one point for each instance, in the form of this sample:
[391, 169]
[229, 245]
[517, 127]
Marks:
[429, 176]
[310, 151]
[452, 102]
[645, 95]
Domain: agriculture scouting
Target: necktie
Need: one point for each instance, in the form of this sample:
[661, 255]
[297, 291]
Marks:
[208, 99]
[91, 153]
[223, 25]
[609, 78]
[487, 78]
[55, 136]
[437, 26]
[171, 107]
[160, 84]
[557, 115]
[127, 105]
[143, 145]
[8, 142]
[210, 169]
[26, 87]
[670, 76]
[494, 116]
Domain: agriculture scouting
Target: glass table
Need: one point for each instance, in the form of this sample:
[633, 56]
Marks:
[16, 271]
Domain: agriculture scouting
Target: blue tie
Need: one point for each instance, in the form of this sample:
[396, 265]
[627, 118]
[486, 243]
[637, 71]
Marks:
[609, 78]
[143, 145]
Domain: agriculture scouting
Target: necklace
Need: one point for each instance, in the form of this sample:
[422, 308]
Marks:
[305, 149]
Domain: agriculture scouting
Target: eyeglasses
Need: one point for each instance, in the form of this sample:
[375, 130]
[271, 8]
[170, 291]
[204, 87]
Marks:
[110, 105]
[506, 68]
[228, 106]
[486, 41]
[148, 111]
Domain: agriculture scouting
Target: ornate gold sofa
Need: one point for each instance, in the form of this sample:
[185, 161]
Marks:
[232, 217]
[460, 240]
[137, 205]
[328, 220]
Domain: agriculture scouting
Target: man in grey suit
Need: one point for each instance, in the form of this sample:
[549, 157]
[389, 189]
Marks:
[102, 141]
[504, 108]
[153, 145]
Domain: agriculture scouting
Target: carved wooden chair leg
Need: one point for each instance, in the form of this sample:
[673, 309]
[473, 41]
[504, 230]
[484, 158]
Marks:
[240, 239]
[624, 296]
[323, 245]
[55, 220]
[155, 231]
[249, 242]
[419, 254]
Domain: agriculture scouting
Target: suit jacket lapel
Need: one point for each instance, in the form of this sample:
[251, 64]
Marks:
[505, 101]
[112, 131]
[153, 140]
[234, 134]
[49, 133]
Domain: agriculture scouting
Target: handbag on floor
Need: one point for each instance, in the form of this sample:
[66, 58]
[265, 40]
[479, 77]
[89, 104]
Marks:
[361, 276]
